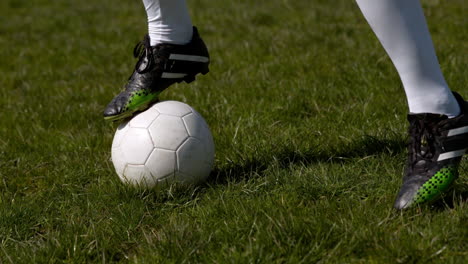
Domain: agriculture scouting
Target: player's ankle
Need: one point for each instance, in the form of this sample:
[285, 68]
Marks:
[443, 104]
[178, 36]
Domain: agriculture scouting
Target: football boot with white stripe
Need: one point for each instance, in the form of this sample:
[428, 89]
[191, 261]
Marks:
[436, 146]
[157, 68]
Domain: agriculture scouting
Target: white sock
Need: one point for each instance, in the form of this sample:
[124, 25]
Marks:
[401, 28]
[168, 21]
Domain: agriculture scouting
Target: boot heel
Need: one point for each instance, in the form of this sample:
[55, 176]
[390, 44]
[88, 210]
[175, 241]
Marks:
[205, 70]
[189, 78]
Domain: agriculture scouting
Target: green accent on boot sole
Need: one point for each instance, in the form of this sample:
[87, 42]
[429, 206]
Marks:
[139, 101]
[436, 185]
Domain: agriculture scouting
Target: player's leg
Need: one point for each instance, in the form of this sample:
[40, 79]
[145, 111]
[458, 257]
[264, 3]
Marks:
[168, 21]
[438, 119]
[171, 52]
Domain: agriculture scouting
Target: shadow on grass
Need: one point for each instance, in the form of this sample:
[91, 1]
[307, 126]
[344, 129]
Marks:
[361, 148]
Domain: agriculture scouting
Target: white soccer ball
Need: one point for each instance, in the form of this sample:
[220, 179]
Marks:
[168, 143]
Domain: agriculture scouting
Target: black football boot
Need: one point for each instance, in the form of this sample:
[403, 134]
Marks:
[436, 146]
[157, 68]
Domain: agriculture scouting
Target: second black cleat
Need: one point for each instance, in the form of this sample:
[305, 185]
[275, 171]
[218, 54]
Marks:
[437, 144]
[157, 68]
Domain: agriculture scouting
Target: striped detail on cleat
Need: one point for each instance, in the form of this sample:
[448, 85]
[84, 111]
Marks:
[184, 57]
[457, 131]
[451, 154]
[173, 75]
[454, 153]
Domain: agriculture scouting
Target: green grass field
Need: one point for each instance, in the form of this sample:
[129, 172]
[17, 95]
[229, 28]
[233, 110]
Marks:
[309, 121]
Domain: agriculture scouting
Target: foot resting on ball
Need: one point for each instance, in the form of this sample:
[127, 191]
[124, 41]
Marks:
[158, 67]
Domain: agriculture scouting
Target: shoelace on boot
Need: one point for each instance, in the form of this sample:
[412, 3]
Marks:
[144, 53]
[423, 142]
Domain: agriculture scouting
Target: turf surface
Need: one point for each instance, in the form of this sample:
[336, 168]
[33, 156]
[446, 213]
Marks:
[308, 117]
